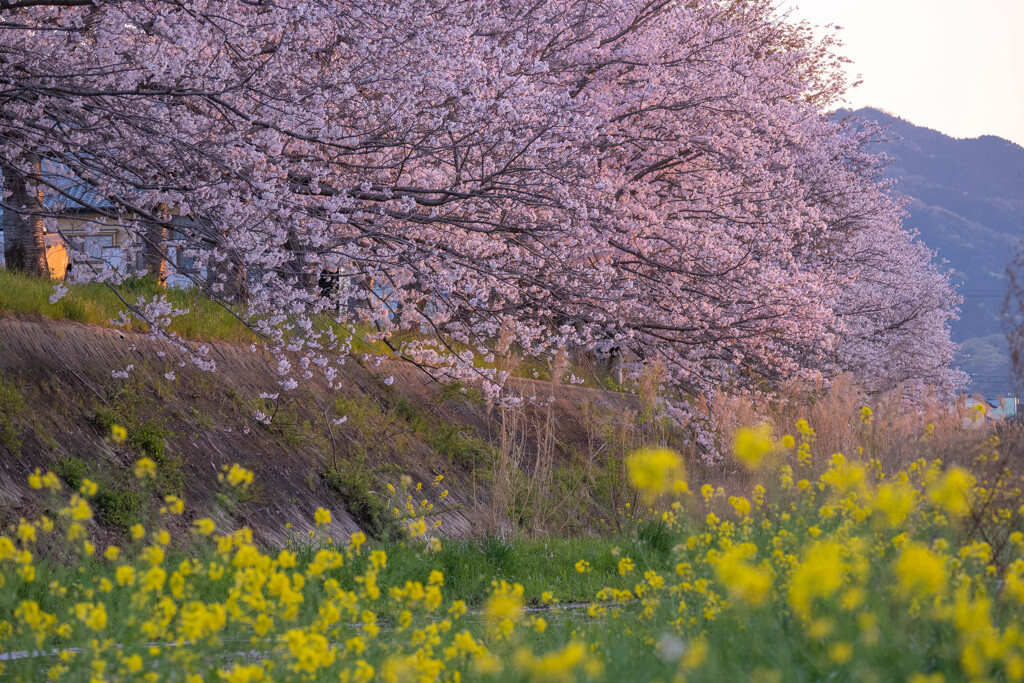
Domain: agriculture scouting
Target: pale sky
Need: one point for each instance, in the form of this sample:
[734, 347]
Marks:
[953, 65]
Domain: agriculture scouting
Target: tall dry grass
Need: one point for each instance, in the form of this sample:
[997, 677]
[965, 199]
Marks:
[540, 488]
[897, 432]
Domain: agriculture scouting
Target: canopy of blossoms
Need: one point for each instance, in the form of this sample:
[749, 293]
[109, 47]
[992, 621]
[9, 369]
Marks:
[478, 178]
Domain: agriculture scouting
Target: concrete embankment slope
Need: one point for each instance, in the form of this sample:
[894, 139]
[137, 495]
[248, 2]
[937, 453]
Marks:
[61, 398]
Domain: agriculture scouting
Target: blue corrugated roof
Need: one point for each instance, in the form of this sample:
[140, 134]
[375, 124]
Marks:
[72, 190]
[74, 195]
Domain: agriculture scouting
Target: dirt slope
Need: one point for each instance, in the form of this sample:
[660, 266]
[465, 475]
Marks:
[61, 400]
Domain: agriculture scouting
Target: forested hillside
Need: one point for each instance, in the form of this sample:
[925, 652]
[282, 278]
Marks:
[967, 203]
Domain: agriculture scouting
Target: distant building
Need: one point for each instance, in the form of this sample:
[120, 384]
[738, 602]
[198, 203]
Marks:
[978, 410]
[83, 224]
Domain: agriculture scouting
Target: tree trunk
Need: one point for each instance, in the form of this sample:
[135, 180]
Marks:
[236, 286]
[24, 241]
[154, 251]
[304, 278]
[226, 277]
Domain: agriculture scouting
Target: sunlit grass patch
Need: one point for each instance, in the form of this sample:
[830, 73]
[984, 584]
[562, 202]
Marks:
[98, 304]
[206, 319]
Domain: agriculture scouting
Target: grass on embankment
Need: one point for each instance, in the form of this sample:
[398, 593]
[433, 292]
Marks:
[540, 565]
[97, 304]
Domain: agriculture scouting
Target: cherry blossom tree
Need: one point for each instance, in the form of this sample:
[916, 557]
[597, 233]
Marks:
[893, 306]
[476, 179]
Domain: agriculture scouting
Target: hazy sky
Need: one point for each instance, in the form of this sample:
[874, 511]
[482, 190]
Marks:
[953, 65]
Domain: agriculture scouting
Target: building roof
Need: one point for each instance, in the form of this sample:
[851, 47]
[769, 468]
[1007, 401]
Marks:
[74, 196]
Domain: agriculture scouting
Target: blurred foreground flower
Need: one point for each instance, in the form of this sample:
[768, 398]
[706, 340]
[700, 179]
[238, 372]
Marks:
[236, 475]
[751, 444]
[655, 471]
[118, 434]
[953, 491]
[145, 468]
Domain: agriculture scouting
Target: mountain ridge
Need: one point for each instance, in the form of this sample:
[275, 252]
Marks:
[966, 203]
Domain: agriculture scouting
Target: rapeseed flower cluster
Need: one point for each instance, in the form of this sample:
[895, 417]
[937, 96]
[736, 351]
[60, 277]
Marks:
[828, 565]
[655, 471]
[752, 444]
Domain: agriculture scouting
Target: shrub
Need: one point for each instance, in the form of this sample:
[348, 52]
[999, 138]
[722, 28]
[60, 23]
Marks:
[354, 483]
[448, 440]
[72, 471]
[104, 419]
[149, 438]
[118, 506]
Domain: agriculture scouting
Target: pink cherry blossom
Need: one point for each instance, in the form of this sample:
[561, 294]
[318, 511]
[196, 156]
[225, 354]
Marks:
[473, 179]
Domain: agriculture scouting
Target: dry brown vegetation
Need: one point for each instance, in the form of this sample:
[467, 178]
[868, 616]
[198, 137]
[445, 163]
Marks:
[554, 466]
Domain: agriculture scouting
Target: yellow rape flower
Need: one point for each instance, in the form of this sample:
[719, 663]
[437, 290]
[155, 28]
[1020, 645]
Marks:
[504, 608]
[655, 471]
[145, 468]
[741, 505]
[153, 580]
[35, 480]
[152, 555]
[844, 475]
[895, 501]
[26, 532]
[93, 615]
[204, 526]
[559, 665]
[173, 505]
[841, 653]
[744, 581]
[936, 677]
[356, 541]
[77, 509]
[378, 559]
[707, 492]
[952, 491]
[133, 663]
[921, 572]
[125, 575]
[820, 574]
[978, 550]
[752, 444]
[322, 517]
[696, 654]
[416, 528]
[118, 434]
[458, 609]
[242, 673]
[236, 476]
